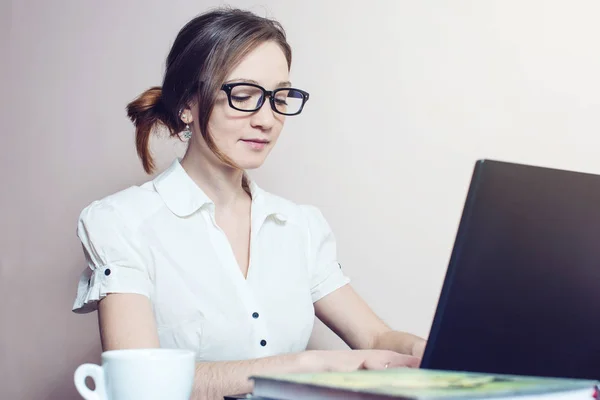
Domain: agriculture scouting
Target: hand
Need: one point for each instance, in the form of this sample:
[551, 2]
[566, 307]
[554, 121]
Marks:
[351, 360]
[418, 348]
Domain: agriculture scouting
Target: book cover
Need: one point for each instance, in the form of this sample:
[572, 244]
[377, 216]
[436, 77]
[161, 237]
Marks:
[409, 383]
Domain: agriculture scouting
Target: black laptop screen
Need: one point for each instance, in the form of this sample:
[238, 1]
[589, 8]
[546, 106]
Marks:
[522, 291]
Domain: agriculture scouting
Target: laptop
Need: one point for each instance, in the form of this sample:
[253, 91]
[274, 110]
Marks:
[522, 289]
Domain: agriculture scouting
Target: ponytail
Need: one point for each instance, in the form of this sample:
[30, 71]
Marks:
[145, 112]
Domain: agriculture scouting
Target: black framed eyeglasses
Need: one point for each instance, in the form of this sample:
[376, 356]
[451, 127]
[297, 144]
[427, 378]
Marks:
[249, 97]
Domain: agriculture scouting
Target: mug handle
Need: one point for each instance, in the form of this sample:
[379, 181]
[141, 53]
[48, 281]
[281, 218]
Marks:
[97, 374]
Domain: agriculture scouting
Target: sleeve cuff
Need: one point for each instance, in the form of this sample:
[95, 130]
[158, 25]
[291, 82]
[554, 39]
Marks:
[95, 285]
[333, 281]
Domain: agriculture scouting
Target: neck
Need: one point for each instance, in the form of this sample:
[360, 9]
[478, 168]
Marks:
[221, 183]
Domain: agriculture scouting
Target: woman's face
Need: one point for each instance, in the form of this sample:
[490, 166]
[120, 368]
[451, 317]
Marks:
[248, 137]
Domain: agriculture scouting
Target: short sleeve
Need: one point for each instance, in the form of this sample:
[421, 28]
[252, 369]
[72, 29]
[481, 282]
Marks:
[325, 271]
[114, 261]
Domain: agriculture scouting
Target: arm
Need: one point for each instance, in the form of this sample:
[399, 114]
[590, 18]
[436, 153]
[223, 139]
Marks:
[347, 314]
[339, 306]
[127, 321]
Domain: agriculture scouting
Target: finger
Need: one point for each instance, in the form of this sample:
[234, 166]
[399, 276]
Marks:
[419, 349]
[378, 363]
[404, 361]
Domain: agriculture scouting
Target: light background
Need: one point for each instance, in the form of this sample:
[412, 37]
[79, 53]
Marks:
[405, 96]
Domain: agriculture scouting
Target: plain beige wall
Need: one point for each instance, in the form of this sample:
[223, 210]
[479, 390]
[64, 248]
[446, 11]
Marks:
[405, 96]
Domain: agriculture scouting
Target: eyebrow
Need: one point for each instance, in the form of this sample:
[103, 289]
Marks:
[279, 85]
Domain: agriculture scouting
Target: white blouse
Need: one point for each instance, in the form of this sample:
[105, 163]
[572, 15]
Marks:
[161, 240]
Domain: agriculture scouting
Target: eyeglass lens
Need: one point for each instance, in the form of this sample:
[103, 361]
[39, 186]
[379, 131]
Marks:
[249, 98]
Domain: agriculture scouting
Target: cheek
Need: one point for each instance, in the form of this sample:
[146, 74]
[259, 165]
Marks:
[224, 128]
[278, 128]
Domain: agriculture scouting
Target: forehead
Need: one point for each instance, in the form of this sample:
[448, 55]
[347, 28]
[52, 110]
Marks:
[266, 64]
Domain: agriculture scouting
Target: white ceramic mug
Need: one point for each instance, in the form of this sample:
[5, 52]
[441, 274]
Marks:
[139, 374]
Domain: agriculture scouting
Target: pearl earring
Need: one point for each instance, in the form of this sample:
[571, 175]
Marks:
[186, 134]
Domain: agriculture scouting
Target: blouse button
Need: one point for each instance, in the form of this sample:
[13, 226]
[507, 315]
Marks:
[107, 271]
[254, 315]
[263, 343]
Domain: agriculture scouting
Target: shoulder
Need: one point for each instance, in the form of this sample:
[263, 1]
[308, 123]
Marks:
[129, 207]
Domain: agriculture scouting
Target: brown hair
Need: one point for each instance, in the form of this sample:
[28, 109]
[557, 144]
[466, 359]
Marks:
[203, 53]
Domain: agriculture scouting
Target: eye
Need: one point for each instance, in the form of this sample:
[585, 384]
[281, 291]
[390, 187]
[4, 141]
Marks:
[240, 99]
[281, 101]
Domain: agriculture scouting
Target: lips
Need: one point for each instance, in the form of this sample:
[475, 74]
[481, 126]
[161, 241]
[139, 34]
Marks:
[256, 144]
[261, 141]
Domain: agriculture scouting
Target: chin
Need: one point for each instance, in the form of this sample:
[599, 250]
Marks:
[250, 159]
[250, 162]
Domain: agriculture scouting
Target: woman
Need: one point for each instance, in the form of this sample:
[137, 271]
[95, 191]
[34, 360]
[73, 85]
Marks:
[201, 257]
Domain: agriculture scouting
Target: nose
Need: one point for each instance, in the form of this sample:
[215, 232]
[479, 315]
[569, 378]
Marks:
[263, 118]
